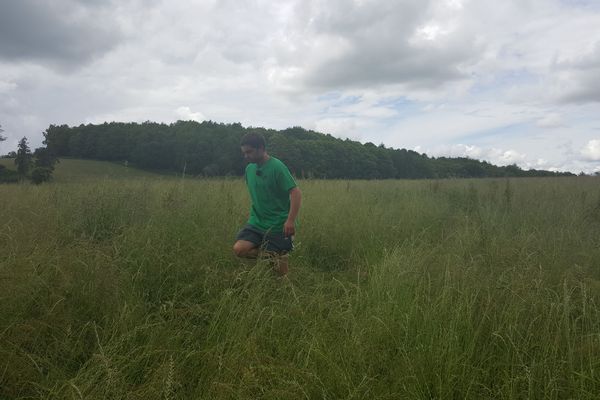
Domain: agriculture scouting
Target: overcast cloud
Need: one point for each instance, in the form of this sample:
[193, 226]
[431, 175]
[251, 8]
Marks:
[509, 82]
[59, 33]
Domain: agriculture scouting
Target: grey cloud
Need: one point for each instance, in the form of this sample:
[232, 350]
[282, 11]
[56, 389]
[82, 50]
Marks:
[64, 33]
[378, 48]
[586, 78]
[355, 19]
[589, 92]
[368, 65]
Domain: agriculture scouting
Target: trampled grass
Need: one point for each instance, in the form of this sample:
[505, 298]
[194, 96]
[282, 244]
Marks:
[398, 289]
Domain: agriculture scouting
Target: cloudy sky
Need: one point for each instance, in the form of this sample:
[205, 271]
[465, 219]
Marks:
[512, 81]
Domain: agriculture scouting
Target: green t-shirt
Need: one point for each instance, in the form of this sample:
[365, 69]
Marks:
[269, 185]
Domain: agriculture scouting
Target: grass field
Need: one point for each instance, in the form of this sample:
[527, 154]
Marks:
[126, 288]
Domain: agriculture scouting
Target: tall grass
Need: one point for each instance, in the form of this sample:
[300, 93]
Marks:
[398, 289]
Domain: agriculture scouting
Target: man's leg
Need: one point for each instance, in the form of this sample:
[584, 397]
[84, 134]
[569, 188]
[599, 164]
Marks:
[247, 243]
[277, 261]
[245, 249]
[278, 245]
[281, 264]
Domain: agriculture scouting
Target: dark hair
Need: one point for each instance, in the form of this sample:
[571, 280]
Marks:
[253, 139]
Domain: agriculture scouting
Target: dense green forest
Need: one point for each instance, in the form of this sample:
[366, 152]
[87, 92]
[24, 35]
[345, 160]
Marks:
[212, 149]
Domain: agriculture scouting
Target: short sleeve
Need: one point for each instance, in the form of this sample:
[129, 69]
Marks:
[285, 179]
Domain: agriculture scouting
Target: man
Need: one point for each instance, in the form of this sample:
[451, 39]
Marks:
[276, 201]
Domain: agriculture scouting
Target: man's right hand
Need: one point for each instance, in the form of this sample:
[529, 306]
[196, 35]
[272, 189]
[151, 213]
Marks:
[289, 228]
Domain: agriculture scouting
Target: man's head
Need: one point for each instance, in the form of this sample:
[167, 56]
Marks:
[253, 147]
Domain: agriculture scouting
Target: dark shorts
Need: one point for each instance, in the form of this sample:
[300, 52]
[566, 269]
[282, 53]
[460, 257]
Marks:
[275, 242]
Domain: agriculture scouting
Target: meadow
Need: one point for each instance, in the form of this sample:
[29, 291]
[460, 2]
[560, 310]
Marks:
[126, 288]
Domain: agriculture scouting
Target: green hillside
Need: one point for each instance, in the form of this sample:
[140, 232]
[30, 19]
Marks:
[7, 162]
[213, 149]
[74, 170]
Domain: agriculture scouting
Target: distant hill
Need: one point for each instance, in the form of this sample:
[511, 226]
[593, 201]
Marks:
[74, 170]
[8, 162]
[212, 149]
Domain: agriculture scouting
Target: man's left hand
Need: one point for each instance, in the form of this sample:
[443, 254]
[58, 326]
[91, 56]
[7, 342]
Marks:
[289, 228]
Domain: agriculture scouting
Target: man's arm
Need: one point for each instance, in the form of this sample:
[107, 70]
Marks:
[295, 201]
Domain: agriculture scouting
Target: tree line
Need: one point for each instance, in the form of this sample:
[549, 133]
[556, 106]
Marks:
[36, 166]
[212, 149]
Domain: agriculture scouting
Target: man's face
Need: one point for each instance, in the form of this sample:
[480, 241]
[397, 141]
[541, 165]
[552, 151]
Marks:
[252, 154]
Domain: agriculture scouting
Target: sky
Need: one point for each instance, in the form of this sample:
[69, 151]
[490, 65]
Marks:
[513, 81]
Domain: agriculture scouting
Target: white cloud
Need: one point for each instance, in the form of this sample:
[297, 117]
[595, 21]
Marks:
[429, 32]
[186, 114]
[591, 151]
[339, 127]
[493, 155]
[510, 157]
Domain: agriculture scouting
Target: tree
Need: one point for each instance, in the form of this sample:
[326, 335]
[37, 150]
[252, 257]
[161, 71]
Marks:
[40, 174]
[2, 138]
[43, 165]
[23, 159]
[44, 158]
[56, 138]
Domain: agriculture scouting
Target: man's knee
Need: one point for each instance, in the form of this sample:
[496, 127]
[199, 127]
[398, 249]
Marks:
[238, 250]
[242, 249]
